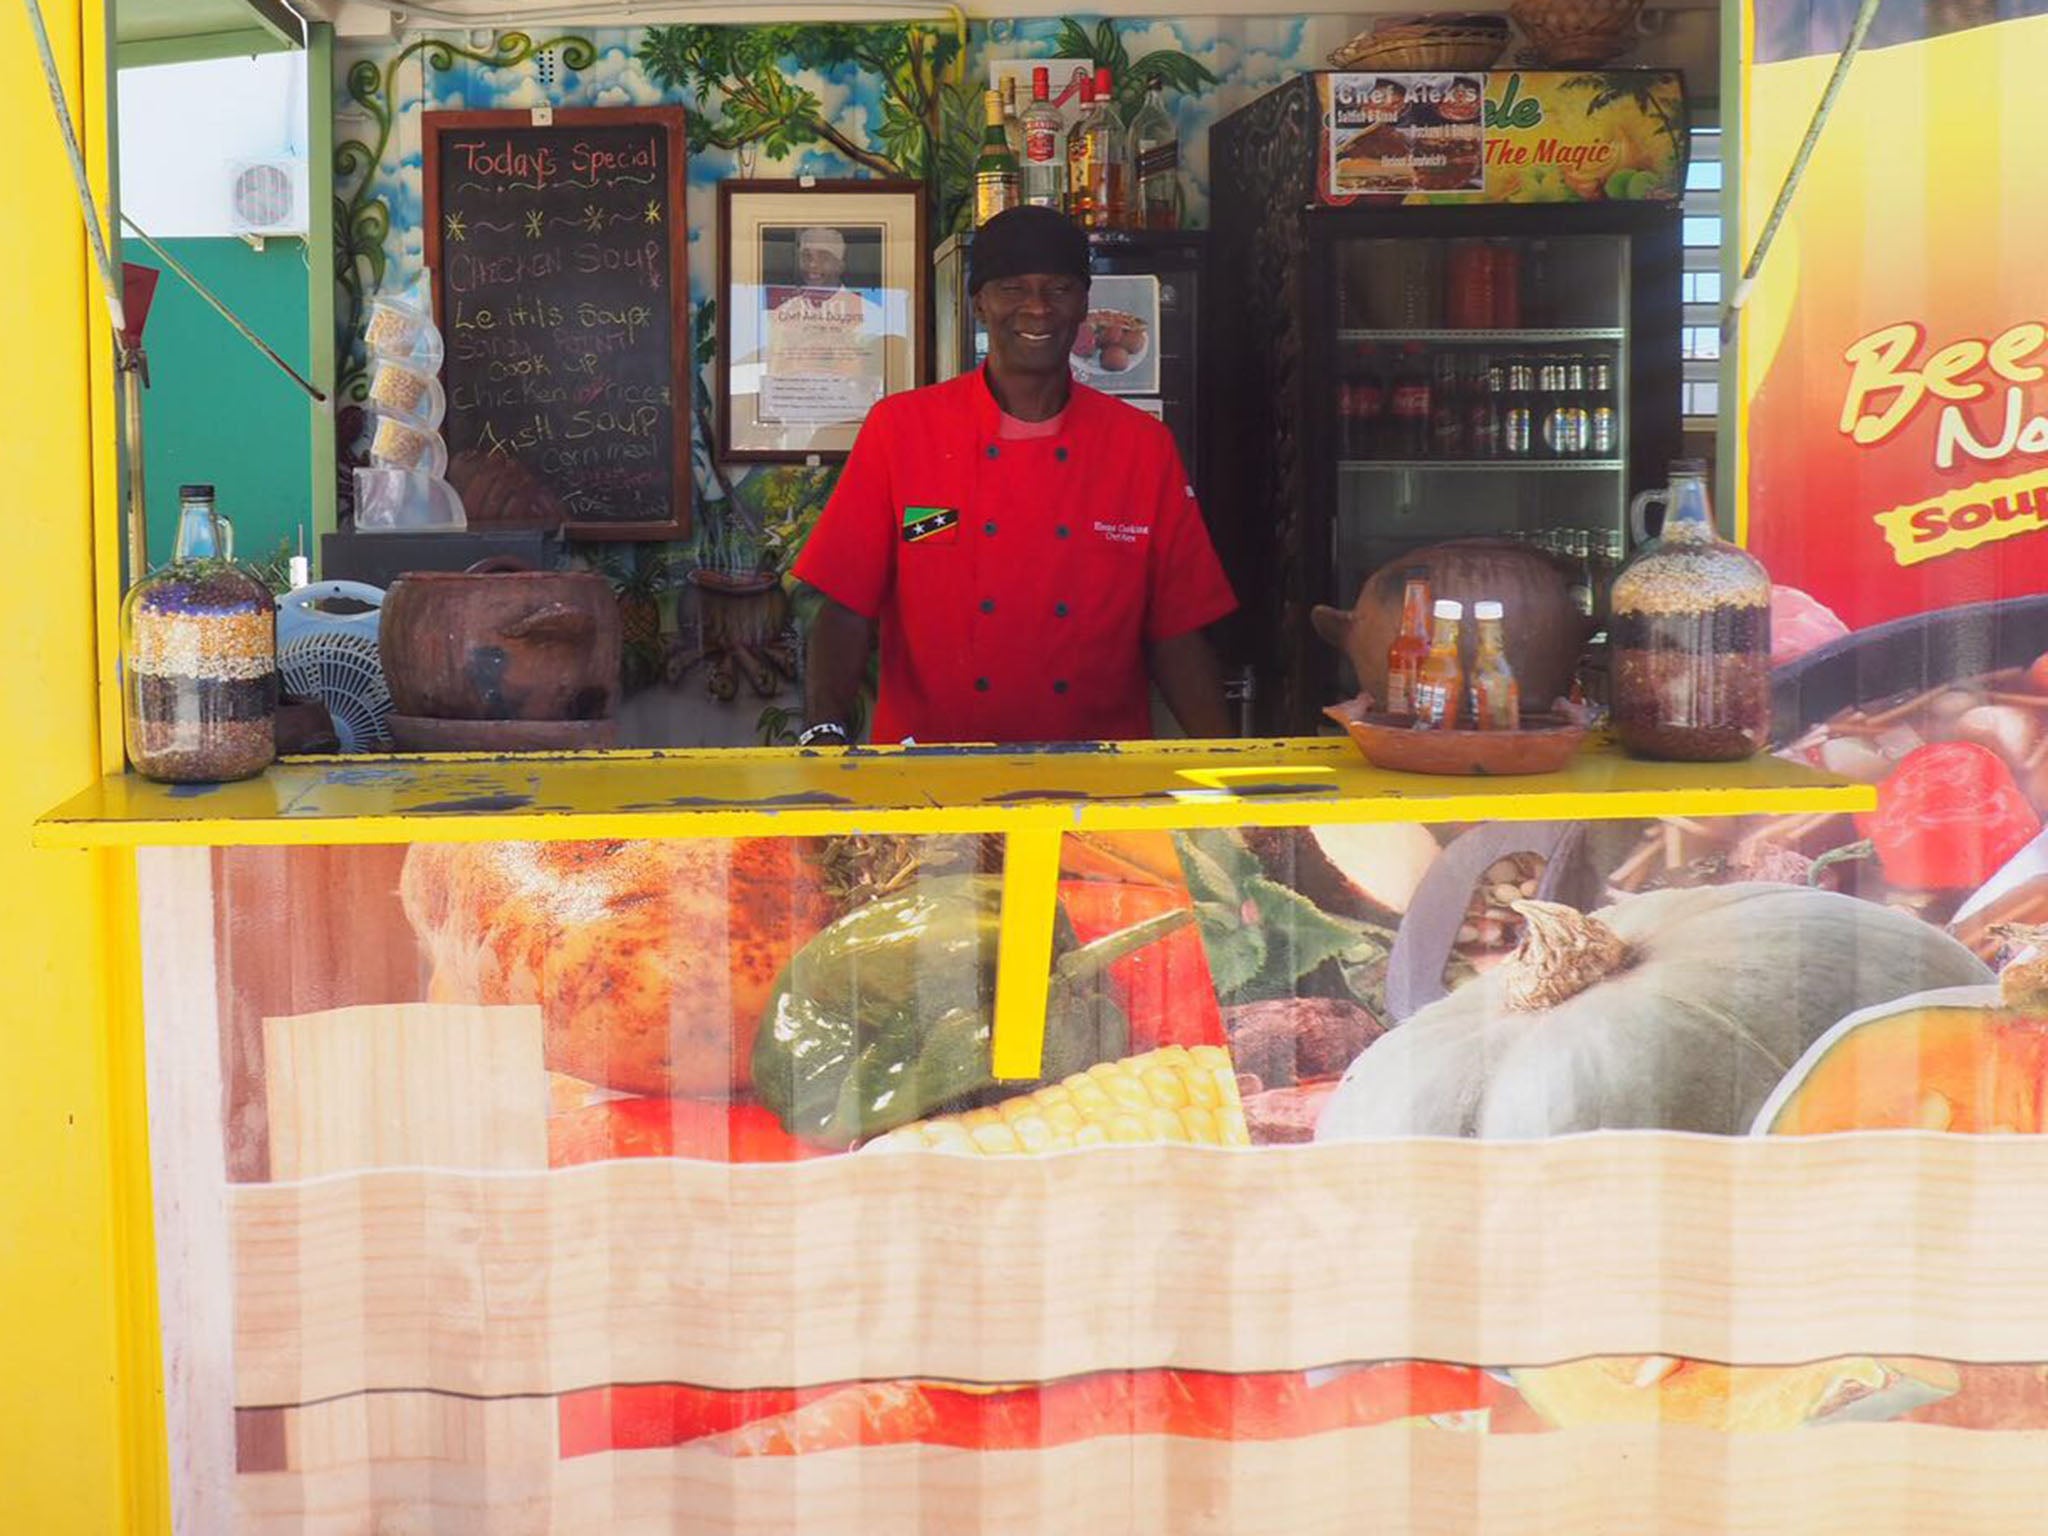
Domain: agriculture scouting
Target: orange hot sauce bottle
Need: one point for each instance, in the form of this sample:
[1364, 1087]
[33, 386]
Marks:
[1411, 645]
[1440, 686]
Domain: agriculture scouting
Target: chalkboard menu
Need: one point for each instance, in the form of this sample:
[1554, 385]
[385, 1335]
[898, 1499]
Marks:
[558, 248]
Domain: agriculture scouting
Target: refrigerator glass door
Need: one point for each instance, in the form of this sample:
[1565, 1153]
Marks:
[1481, 391]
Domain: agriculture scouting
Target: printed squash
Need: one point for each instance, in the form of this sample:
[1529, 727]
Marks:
[1658, 1389]
[1678, 1010]
[1972, 1059]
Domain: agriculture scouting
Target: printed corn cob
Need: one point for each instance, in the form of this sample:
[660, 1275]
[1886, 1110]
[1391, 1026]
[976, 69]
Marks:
[1172, 1094]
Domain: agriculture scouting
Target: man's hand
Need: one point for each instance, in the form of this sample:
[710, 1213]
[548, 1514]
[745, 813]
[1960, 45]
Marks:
[835, 663]
[1185, 670]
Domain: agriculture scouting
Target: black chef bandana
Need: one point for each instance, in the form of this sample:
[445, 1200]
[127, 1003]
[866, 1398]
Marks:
[1027, 241]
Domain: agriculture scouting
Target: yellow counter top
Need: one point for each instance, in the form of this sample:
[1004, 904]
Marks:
[796, 793]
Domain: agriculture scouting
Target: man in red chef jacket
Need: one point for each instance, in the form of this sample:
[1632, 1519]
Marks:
[1029, 549]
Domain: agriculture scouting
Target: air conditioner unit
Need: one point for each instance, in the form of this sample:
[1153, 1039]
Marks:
[267, 197]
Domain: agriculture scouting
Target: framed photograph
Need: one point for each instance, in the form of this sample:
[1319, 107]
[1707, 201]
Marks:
[1117, 347]
[821, 299]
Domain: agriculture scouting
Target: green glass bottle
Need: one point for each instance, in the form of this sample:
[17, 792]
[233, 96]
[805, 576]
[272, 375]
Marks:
[996, 172]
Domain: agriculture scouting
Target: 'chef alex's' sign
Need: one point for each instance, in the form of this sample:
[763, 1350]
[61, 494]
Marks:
[1975, 396]
[1533, 136]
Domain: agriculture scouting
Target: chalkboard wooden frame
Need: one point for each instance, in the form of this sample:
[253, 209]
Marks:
[674, 123]
[914, 195]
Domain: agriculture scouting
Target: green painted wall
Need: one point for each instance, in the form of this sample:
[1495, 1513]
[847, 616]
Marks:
[216, 408]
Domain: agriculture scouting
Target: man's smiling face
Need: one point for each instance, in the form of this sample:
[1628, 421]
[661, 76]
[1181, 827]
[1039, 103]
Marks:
[1032, 321]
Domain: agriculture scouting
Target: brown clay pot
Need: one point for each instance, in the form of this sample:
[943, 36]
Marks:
[501, 641]
[1545, 634]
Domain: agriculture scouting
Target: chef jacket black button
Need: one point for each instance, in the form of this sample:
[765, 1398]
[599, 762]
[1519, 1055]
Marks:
[981, 685]
[1059, 610]
[988, 605]
[1060, 454]
[989, 527]
[1061, 531]
[993, 451]
[1060, 686]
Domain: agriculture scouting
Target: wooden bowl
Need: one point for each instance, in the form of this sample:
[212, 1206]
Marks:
[1544, 744]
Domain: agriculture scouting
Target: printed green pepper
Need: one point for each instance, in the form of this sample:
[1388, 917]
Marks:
[887, 1015]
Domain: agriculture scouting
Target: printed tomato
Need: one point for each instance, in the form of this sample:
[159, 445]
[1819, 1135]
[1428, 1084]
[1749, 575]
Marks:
[1948, 818]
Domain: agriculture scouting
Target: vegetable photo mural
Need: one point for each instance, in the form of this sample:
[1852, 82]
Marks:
[682, 1165]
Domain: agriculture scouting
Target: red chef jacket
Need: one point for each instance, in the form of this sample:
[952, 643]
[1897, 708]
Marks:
[1015, 580]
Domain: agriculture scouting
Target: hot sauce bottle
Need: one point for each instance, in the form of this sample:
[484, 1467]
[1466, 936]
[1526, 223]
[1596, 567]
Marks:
[1440, 685]
[1496, 697]
[1411, 644]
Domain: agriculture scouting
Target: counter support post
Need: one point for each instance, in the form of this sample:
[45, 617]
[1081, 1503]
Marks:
[1031, 898]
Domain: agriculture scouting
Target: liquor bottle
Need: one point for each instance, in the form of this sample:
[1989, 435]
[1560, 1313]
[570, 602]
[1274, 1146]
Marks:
[1408, 407]
[1081, 148]
[1045, 159]
[1483, 409]
[1411, 644]
[1440, 683]
[1013, 125]
[1446, 409]
[995, 171]
[1603, 419]
[1155, 151]
[1109, 160]
[1496, 697]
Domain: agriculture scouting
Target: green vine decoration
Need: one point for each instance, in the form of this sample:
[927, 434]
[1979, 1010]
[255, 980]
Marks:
[362, 222]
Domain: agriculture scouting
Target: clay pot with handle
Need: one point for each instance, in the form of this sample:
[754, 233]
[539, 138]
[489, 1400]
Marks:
[501, 641]
[1545, 633]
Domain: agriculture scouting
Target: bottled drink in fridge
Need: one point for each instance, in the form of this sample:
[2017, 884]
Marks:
[1155, 152]
[1483, 387]
[1365, 405]
[1411, 644]
[1507, 285]
[1603, 416]
[1440, 684]
[1564, 409]
[1496, 697]
[1408, 407]
[1045, 159]
[1446, 409]
[1468, 285]
[1578, 580]
[1518, 410]
[995, 169]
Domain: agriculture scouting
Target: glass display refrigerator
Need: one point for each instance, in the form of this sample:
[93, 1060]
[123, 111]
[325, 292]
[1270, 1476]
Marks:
[1493, 352]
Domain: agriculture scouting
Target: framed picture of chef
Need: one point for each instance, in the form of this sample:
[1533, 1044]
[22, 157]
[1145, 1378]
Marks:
[820, 296]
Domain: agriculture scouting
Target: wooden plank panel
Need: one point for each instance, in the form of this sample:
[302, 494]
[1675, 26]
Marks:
[1757, 1252]
[442, 1085]
[399, 1427]
[1392, 1480]
[300, 930]
[189, 1197]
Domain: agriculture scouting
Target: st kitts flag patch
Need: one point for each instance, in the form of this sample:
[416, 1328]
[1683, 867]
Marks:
[922, 524]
